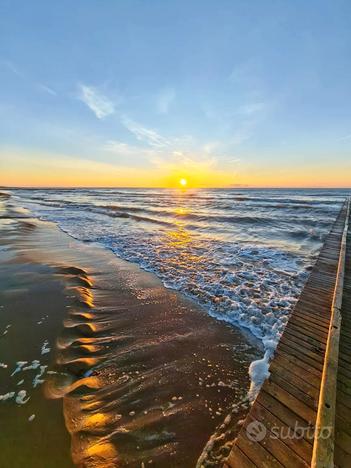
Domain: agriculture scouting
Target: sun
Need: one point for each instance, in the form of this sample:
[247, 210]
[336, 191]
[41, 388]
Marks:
[183, 182]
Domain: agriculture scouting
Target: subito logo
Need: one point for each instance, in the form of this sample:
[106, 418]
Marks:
[256, 431]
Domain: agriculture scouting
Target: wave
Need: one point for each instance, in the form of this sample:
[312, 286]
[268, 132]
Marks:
[167, 217]
[204, 251]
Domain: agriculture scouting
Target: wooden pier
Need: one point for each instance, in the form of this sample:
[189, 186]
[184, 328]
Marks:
[302, 415]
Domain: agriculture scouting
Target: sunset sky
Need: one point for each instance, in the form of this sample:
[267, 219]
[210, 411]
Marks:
[144, 93]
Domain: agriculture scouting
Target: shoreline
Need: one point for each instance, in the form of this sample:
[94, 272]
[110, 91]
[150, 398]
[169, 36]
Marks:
[130, 379]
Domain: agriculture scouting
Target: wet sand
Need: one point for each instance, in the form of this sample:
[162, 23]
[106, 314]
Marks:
[142, 376]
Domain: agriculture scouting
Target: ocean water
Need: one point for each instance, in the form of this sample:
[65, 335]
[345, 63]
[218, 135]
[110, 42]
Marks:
[244, 255]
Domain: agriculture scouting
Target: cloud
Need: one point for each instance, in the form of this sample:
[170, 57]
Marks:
[165, 100]
[47, 89]
[115, 146]
[120, 149]
[174, 152]
[179, 161]
[11, 66]
[147, 135]
[14, 69]
[97, 102]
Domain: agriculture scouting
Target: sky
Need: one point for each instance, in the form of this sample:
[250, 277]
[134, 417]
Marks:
[223, 93]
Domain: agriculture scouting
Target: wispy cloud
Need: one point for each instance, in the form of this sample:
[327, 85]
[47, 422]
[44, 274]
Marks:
[47, 89]
[16, 71]
[12, 67]
[121, 149]
[176, 160]
[144, 134]
[96, 101]
[165, 99]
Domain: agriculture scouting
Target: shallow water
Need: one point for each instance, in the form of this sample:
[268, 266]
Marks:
[243, 254]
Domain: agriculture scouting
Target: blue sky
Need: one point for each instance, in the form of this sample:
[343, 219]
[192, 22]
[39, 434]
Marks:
[246, 90]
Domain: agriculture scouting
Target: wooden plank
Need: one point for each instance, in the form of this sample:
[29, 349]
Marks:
[314, 352]
[307, 331]
[284, 414]
[238, 459]
[256, 452]
[297, 369]
[302, 448]
[289, 400]
[277, 448]
[312, 341]
[301, 355]
[309, 370]
[302, 384]
[306, 324]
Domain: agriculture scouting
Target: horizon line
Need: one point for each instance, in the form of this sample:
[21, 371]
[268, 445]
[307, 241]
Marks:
[229, 187]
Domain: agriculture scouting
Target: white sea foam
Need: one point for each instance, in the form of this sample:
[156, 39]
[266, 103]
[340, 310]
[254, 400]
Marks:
[45, 348]
[6, 329]
[35, 364]
[19, 367]
[37, 380]
[21, 397]
[7, 396]
[258, 372]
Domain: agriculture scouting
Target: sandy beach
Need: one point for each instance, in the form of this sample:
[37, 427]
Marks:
[118, 367]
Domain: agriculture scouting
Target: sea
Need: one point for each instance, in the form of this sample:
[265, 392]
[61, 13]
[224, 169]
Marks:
[243, 254]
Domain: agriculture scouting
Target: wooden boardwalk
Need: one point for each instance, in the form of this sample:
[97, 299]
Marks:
[343, 395]
[279, 429]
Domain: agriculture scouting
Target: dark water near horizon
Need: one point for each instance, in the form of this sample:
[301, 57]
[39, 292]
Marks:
[242, 254]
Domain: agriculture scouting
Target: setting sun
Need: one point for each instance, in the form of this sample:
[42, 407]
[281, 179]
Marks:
[183, 182]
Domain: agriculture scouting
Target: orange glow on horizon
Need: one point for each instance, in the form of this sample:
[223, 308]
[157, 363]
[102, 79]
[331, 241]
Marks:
[28, 169]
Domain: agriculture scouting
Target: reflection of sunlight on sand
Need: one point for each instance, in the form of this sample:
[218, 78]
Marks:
[59, 385]
[85, 422]
[83, 362]
[90, 348]
[84, 295]
[94, 448]
[86, 327]
[101, 452]
[84, 315]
